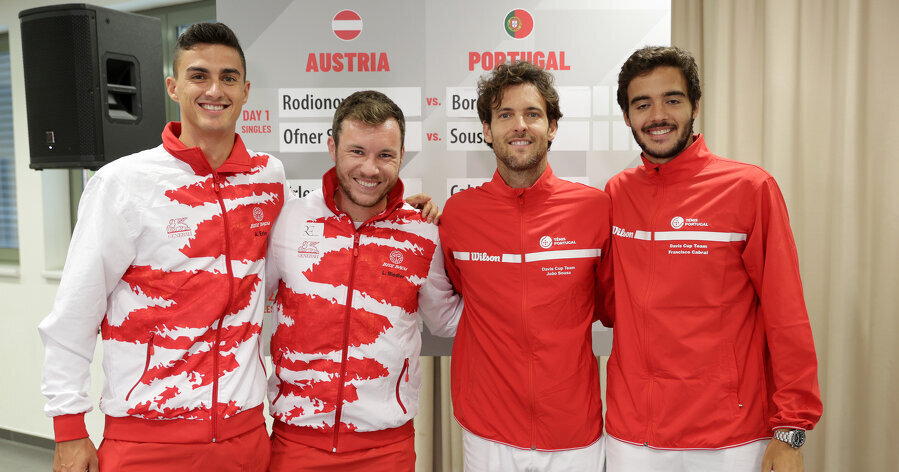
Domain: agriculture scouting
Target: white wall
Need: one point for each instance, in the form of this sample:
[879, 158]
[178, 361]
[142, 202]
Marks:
[27, 289]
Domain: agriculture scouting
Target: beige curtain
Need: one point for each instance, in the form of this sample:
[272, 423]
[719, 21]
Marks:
[438, 437]
[808, 90]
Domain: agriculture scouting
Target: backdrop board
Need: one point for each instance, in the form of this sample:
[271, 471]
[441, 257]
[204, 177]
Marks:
[304, 57]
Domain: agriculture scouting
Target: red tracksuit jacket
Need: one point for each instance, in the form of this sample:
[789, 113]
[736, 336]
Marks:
[712, 344]
[531, 265]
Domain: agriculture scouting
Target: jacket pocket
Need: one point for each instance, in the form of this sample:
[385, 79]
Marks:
[146, 365]
[400, 380]
[277, 361]
[261, 360]
[738, 380]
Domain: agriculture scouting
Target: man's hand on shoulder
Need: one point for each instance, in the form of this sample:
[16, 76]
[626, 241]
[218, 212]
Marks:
[78, 455]
[781, 457]
[429, 210]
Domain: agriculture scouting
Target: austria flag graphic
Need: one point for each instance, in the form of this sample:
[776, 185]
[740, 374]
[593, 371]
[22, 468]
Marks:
[347, 25]
[519, 23]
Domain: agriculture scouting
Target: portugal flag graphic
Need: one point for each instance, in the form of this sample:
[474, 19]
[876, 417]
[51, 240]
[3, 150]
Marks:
[346, 25]
[519, 23]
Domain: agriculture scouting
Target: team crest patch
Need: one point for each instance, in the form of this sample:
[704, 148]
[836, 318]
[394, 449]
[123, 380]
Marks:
[395, 267]
[546, 242]
[259, 216]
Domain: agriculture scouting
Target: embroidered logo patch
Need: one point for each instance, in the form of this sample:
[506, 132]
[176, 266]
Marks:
[177, 228]
[309, 249]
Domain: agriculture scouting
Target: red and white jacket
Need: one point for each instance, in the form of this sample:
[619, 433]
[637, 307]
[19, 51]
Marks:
[167, 261]
[347, 339]
[712, 344]
[532, 266]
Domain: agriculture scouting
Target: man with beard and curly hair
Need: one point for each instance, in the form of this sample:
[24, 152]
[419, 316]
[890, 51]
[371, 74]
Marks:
[528, 252]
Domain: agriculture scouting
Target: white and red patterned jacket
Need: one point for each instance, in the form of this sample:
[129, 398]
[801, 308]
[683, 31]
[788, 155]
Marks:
[167, 261]
[347, 338]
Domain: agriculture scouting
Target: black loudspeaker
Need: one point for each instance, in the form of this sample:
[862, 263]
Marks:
[93, 84]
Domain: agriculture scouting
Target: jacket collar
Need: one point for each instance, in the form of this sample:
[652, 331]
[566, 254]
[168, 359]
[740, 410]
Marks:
[329, 188]
[237, 162]
[686, 164]
[542, 187]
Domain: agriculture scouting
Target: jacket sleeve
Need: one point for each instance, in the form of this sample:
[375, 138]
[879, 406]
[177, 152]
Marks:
[440, 306]
[604, 304]
[449, 262]
[101, 250]
[771, 260]
[272, 272]
[289, 194]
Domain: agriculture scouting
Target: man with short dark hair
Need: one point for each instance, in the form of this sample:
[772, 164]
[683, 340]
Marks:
[167, 262]
[356, 270]
[713, 351]
[528, 252]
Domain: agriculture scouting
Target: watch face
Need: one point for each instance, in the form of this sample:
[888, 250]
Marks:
[798, 438]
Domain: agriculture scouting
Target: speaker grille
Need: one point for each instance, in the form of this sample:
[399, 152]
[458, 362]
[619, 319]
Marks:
[85, 76]
[82, 61]
[56, 74]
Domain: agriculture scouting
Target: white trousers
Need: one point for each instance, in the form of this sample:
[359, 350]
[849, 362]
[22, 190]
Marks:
[625, 457]
[481, 455]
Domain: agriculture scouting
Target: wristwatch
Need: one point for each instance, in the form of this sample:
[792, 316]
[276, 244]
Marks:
[794, 437]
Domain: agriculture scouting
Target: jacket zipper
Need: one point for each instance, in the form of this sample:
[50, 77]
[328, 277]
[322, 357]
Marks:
[346, 340]
[146, 364]
[646, 352]
[399, 381]
[218, 328]
[524, 322]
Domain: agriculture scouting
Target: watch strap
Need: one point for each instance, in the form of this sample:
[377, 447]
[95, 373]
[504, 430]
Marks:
[794, 437]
